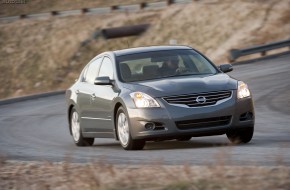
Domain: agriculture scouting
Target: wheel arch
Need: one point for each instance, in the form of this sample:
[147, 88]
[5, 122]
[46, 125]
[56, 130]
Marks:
[69, 117]
[117, 106]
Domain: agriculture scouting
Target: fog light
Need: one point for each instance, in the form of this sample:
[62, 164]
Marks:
[246, 116]
[149, 126]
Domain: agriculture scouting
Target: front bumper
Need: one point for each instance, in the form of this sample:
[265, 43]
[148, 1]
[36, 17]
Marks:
[167, 116]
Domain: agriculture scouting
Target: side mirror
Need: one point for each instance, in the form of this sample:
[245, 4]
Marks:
[103, 81]
[225, 68]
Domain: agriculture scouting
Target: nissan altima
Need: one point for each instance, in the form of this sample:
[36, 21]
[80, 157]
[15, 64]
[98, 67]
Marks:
[157, 93]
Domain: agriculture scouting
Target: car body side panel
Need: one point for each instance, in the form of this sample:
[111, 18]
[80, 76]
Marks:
[102, 108]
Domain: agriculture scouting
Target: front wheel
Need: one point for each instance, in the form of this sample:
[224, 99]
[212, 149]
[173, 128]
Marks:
[75, 127]
[123, 131]
[240, 135]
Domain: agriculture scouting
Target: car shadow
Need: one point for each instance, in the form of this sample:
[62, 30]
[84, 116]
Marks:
[170, 144]
[173, 144]
[108, 145]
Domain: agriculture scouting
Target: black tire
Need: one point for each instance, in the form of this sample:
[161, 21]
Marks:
[80, 141]
[238, 136]
[183, 139]
[129, 143]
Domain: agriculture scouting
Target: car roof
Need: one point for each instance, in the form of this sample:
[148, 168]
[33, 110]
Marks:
[148, 49]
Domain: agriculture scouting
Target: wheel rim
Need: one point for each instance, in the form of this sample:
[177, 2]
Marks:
[123, 129]
[75, 126]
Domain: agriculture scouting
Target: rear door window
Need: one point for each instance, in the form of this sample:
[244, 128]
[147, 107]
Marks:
[107, 68]
[92, 71]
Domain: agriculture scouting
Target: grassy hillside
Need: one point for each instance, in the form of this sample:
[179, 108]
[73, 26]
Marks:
[43, 55]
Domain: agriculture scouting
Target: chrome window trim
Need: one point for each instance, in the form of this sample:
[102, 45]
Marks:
[94, 118]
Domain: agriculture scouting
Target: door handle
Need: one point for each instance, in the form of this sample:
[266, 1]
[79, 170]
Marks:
[77, 91]
[93, 96]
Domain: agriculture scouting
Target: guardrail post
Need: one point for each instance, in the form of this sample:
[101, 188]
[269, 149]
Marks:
[22, 16]
[169, 2]
[114, 7]
[54, 13]
[84, 10]
[143, 5]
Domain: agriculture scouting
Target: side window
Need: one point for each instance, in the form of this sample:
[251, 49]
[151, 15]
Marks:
[84, 73]
[106, 68]
[92, 71]
[202, 64]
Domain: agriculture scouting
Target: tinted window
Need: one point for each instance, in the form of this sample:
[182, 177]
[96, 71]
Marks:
[92, 71]
[106, 68]
[162, 64]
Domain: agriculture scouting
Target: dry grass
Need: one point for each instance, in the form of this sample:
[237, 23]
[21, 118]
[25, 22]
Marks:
[100, 175]
[43, 55]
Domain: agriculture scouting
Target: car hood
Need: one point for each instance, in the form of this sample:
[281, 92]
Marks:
[183, 85]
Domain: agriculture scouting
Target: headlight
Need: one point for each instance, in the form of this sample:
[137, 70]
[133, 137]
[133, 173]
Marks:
[243, 90]
[143, 100]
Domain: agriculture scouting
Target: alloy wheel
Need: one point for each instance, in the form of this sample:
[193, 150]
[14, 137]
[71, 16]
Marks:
[123, 129]
[75, 126]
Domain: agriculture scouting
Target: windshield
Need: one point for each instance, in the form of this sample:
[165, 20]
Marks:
[163, 64]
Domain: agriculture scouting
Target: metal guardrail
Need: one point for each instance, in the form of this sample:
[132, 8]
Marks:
[30, 97]
[124, 31]
[101, 10]
[234, 54]
[116, 32]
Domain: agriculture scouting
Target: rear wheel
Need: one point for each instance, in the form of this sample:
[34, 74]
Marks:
[123, 131]
[244, 135]
[78, 138]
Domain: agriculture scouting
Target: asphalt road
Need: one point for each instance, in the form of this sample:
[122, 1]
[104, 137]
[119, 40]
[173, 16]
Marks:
[37, 129]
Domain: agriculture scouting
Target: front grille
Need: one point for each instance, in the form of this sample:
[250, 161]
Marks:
[200, 99]
[203, 123]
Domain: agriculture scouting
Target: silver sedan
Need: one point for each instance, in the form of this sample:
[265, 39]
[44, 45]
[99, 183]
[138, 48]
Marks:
[157, 93]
